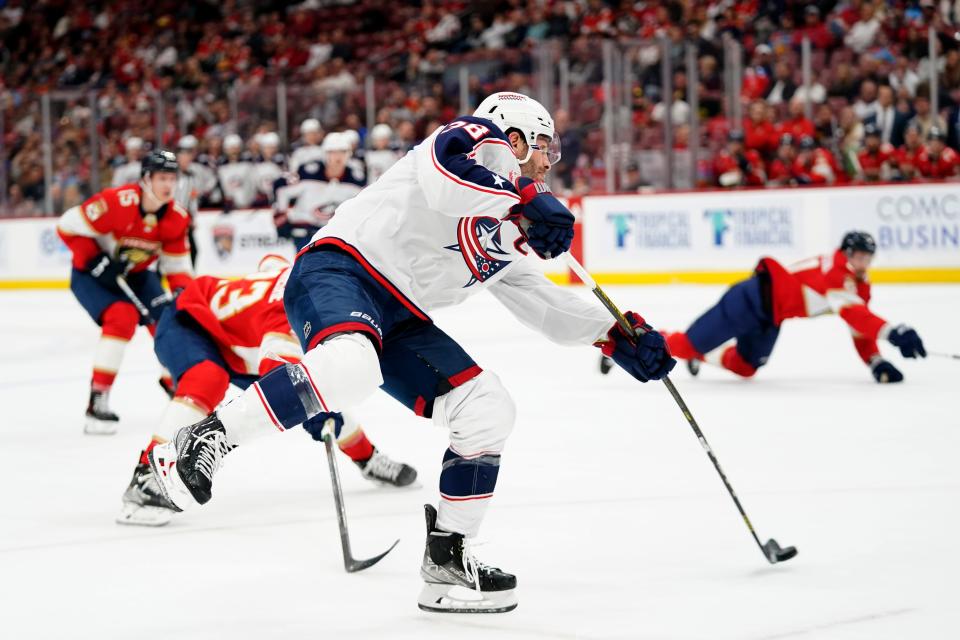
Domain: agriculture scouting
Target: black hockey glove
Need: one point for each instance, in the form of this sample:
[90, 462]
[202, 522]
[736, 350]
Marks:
[105, 270]
[884, 372]
[646, 358]
[545, 223]
[907, 340]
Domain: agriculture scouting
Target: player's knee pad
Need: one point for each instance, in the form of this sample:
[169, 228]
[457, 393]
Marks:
[119, 320]
[204, 385]
[733, 361]
[479, 413]
[344, 370]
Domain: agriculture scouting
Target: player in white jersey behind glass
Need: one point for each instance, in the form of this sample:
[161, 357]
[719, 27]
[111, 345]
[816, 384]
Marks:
[457, 215]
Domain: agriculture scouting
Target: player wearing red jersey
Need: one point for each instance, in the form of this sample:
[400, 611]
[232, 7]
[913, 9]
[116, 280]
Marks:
[734, 167]
[907, 158]
[753, 310]
[938, 160]
[876, 156]
[222, 331]
[132, 233]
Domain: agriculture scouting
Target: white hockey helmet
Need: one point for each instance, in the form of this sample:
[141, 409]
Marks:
[335, 141]
[381, 132]
[269, 139]
[187, 143]
[351, 136]
[310, 125]
[233, 141]
[509, 110]
[273, 262]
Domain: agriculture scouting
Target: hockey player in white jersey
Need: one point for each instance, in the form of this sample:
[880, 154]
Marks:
[129, 172]
[194, 181]
[304, 202]
[380, 156]
[237, 175]
[307, 149]
[458, 214]
[268, 165]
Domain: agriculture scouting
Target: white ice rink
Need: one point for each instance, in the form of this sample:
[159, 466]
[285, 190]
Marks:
[608, 511]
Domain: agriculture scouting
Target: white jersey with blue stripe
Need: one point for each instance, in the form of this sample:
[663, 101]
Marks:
[433, 227]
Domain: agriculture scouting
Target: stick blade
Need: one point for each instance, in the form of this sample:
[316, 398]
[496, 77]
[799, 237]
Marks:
[775, 553]
[353, 565]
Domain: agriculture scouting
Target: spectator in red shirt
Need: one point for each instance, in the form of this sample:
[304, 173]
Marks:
[736, 167]
[759, 133]
[938, 160]
[908, 155]
[814, 165]
[780, 169]
[875, 156]
[797, 125]
[815, 29]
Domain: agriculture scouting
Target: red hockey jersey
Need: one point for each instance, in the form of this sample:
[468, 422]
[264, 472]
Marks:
[245, 318]
[113, 223]
[822, 285]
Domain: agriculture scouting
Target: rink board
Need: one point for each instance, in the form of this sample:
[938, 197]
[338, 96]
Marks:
[702, 237]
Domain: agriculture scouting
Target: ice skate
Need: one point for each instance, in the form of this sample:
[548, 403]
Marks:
[143, 502]
[380, 468]
[455, 582]
[693, 366]
[606, 364]
[100, 420]
[185, 467]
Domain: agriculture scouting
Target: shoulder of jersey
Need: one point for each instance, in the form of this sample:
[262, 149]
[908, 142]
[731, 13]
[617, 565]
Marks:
[493, 130]
[313, 170]
[175, 206]
[350, 177]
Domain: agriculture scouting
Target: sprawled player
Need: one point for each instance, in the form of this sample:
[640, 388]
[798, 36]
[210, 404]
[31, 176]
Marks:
[122, 233]
[456, 216]
[222, 331]
[752, 311]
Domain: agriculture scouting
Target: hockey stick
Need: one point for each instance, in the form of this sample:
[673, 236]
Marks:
[940, 354]
[127, 291]
[772, 551]
[350, 563]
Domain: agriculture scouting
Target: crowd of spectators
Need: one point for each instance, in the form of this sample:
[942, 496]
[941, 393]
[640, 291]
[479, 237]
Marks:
[209, 68]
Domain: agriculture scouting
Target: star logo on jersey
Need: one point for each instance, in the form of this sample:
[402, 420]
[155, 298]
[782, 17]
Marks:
[480, 245]
[498, 181]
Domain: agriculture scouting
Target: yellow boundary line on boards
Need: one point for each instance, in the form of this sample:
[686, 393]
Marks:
[889, 276]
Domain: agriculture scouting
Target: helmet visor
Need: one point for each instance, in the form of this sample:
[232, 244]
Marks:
[549, 146]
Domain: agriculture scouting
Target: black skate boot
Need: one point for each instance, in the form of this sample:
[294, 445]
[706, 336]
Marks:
[143, 502]
[693, 366]
[380, 468]
[100, 420]
[455, 582]
[185, 466]
[606, 364]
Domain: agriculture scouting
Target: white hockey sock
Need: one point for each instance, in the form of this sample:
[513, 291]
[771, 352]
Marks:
[179, 413]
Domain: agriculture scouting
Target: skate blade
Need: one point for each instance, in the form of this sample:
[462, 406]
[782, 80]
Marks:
[143, 515]
[446, 598]
[95, 427]
[163, 461]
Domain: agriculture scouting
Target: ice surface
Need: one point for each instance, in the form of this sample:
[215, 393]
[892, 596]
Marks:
[607, 509]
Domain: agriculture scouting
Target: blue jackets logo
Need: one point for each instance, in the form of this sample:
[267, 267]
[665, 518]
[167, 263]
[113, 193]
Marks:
[479, 242]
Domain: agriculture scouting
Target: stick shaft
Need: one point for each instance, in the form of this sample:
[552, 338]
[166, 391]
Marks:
[127, 291]
[338, 499]
[582, 273]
